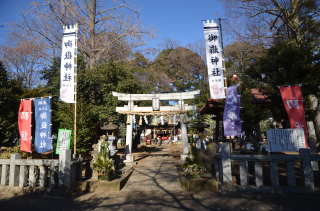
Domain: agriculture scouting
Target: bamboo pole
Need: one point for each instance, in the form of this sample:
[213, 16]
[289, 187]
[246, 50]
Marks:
[225, 84]
[75, 95]
[223, 61]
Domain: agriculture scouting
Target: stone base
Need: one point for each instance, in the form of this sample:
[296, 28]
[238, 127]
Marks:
[130, 164]
[183, 157]
[103, 186]
[128, 160]
[94, 175]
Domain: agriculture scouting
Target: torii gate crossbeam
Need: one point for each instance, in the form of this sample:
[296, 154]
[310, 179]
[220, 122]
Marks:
[128, 159]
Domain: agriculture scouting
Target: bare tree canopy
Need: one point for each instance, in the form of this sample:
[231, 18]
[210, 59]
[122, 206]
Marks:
[24, 61]
[102, 25]
[239, 56]
[256, 20]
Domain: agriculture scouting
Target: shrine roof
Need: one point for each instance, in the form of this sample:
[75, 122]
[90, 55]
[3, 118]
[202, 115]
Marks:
[214, 106]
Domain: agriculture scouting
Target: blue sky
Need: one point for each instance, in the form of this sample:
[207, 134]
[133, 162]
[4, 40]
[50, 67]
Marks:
[175, 19]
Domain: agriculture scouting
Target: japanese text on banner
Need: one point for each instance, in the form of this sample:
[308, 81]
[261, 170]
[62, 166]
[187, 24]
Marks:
[231, 119]
[214, 60]
[67, 66]
[43, 141]
[24, 122]
[292, 100]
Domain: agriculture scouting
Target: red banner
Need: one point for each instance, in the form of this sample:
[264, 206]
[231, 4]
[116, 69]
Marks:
[292, 100]
[24, 122]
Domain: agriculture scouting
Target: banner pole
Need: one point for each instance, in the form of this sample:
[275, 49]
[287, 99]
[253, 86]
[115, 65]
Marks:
[304, 107]
[223, 61]
[75, 95]
[225, 85]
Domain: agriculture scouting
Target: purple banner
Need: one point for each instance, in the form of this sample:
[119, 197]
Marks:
[231, 119]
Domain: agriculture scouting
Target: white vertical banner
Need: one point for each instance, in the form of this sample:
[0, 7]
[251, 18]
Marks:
[214, 59]
[67, 65]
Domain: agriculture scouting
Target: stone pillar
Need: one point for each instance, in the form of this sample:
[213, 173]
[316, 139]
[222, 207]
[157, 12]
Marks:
[79, 171]
[14, 170]
[5, 175]
[291, 177]
[53, 175]
[65, 169]
[274, 175]
[128, 159]
[73, 175]
[184, 133]
[226, 164]
[43, 180]
[312, 141]
[23, 180]
[258, 174]
[129, 132]
[243, 173]
[129, 137]
[32, 176]
[306, 169]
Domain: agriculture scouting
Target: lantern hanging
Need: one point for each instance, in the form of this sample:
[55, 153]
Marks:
[140, 121]
[169, 121]
[128, 119]
[155, 121]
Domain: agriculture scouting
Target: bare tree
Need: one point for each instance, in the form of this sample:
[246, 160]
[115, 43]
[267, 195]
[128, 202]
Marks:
[102, 25]
[258, 20]
[24, 60]
[239, 55]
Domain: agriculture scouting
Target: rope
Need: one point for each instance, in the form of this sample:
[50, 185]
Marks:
[152, 113]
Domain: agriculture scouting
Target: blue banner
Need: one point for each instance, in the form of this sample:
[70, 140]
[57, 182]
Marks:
[231, 120]
[43, 141]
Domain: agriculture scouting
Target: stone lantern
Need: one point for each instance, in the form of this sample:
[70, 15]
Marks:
[200, 126]
[110, 130]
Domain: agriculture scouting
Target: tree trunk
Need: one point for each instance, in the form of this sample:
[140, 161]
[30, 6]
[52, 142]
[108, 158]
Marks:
[92, 20]
[316, 121]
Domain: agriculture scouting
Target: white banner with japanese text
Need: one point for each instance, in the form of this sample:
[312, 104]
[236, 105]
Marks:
[214, 59]
[68, 54]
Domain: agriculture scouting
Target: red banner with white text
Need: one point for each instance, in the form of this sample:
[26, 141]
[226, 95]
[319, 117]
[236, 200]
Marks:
[24, 122]
[292, 100]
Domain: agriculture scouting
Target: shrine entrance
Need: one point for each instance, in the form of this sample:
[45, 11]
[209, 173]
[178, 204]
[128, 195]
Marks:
[156, 110]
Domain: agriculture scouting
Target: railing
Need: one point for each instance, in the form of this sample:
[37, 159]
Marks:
[223, 165]
[59, 174]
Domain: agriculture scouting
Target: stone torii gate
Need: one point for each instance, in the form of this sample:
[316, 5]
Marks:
[131, 109]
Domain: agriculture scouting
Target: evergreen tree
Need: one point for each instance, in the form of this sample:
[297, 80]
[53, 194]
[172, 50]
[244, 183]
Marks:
[10, 92]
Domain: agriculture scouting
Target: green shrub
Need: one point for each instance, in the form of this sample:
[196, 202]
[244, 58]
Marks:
[14, 150]
[4, 148]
